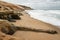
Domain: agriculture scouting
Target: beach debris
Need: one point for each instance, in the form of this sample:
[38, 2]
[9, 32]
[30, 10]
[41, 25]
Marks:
[10, 29]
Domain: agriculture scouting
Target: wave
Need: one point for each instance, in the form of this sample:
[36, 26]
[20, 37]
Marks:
[48, 16]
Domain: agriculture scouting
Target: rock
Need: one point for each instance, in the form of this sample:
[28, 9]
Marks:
[25, 7]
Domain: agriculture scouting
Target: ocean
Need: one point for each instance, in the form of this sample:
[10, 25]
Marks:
[48, 16]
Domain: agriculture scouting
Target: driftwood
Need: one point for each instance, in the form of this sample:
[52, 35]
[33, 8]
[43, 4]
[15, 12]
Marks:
[10, 29]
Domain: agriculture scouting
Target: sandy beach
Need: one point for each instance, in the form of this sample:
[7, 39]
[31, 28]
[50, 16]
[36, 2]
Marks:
[29, 22]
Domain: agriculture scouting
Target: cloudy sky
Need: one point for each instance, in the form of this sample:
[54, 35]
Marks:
[39, 4]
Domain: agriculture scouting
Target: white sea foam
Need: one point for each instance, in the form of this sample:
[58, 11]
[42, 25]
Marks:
[48, 16]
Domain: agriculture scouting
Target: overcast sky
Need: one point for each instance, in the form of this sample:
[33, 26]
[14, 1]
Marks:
[39, 4]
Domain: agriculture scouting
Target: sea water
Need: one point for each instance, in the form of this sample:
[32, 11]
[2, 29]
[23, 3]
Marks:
[48, 16]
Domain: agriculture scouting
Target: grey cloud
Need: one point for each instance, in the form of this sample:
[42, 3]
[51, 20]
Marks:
[41, 4]
[55, 0]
